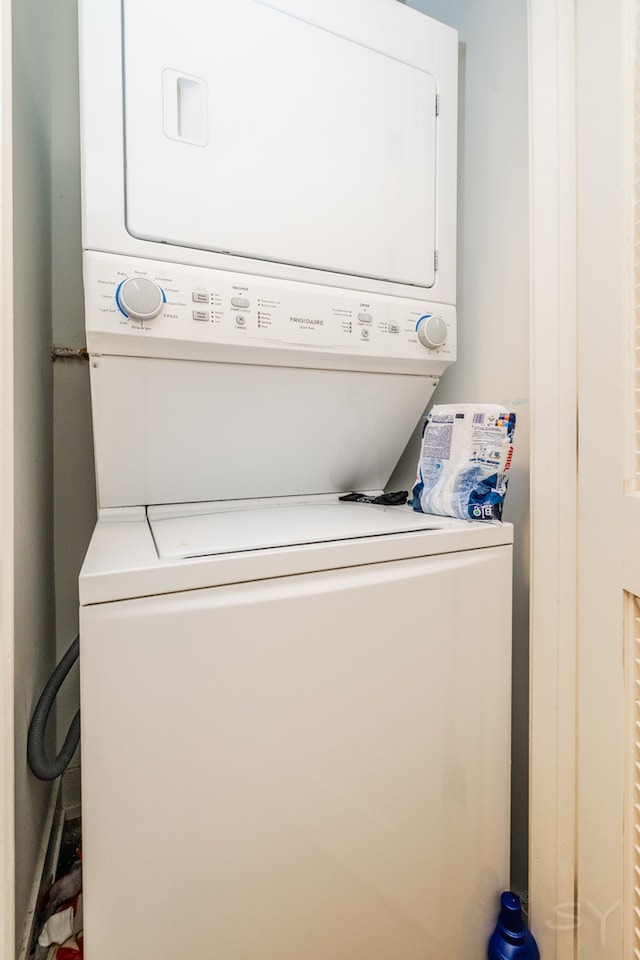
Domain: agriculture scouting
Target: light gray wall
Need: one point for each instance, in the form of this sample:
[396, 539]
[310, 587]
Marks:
[493, 295]
[74, 480]
[34, 610]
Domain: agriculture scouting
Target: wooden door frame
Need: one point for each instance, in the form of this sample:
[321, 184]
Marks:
[553, 261]
[7, 840]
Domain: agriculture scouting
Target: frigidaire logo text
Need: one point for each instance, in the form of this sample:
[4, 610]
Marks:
[307, 320]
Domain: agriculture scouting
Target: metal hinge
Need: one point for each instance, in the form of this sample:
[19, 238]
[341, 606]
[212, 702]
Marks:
[437, 104]
[68, 353]
[435, 260]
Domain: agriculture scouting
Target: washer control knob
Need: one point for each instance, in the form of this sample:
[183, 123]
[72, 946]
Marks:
[140, 298]
[432, 331]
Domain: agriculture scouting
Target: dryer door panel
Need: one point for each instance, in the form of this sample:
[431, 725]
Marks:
[251, 132]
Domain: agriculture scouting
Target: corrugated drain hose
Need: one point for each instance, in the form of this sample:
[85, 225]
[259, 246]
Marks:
[41, 766]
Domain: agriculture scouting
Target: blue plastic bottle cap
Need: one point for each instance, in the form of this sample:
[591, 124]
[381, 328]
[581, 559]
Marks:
[511, 913]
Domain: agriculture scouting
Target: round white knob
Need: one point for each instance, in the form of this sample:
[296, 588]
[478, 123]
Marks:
[140, 298]
[432, 331]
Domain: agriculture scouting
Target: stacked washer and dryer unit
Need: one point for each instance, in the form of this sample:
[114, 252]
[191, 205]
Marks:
[295, 710]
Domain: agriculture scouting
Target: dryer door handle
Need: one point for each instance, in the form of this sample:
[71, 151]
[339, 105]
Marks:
[185, 108]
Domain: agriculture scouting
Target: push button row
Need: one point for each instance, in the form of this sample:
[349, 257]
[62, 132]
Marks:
[201, 296]
[205, 315]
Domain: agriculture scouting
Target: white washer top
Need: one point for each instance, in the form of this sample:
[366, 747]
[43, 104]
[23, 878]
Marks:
[239, 527]
[136, 552]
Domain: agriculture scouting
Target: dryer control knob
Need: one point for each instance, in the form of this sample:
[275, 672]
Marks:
[140, 298]
[432, 331]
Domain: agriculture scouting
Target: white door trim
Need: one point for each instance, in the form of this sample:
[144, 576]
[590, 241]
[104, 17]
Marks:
[552, 54]
[7, 851]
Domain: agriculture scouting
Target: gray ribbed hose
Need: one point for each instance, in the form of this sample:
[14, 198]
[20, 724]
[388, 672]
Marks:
[41, 766]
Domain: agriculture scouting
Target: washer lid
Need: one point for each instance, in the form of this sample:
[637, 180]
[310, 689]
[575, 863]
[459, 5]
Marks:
[237, 527]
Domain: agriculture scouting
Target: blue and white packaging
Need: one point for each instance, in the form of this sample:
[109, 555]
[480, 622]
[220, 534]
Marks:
[464, 461]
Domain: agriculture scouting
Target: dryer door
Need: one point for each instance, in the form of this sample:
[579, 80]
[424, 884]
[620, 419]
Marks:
[252, 132]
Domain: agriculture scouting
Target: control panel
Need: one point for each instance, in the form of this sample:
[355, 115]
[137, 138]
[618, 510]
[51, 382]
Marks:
[148, 308]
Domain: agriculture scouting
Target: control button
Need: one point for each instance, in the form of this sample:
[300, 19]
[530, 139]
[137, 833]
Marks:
[365, 318]
[393, 328]
[140, 298]
[199, 296]
[432, 331]
[365, 334]
[240, 302]
[200, 315]
[240, 320]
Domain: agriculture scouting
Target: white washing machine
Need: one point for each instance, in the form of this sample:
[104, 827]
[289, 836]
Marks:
[295, 710]
[295, 732]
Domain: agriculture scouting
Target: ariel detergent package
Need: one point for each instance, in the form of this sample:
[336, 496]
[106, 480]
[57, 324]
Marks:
[464, 461]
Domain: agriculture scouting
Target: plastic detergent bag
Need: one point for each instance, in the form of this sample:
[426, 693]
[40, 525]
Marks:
[464, 461]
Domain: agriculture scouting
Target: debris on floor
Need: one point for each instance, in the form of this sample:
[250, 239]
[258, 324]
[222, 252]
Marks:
[59, 935]
[62, 927]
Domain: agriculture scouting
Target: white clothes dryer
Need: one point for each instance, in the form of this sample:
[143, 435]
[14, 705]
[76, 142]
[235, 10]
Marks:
[295, 732]
[308, 140]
